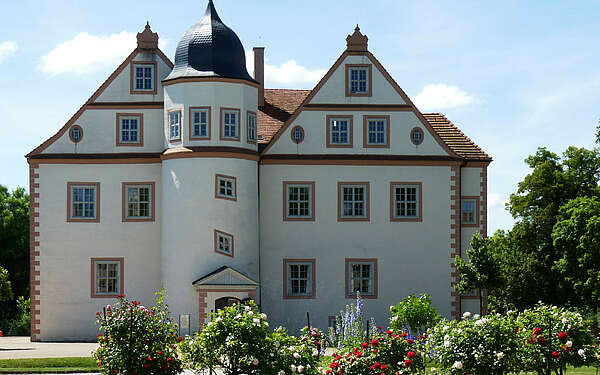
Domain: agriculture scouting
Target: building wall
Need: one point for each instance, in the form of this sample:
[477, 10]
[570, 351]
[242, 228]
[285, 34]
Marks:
[413, 257]
[192, 213]
[66, 309]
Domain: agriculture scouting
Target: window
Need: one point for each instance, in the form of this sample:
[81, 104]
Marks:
[138, 201]
[339, 131]
[230, 121]
[200, 123]
[469, 211]
[83, 200]
[107, 277]
[358, 80]
[353, 201]
[76, 133]
[251, 124]
[143, 78]
[405, 201]
[297, 134]
[175, 126]
[416, 136]
[223, 243]
[299, 201]
[130, 129]
[376, 131]
[299, 278]
[225, 187]
[361, 276]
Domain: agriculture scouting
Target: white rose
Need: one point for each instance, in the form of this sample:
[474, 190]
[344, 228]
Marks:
[466, 315]
[446, 328]
[291, 348]
[255, 361]
[293, 367]
[581, 352]
[218, 320]
[300, 369]
[263, 316]
[281, 372]
[247, 308]
[446, 344]
[457, 365]
[296, 355]
[276, 344]
[315, 353]
[446, 338]
[569, 343]
[500, 355]
[476, 316]
[433, 370]
[267, 324]
[256, 321]
[564, 320]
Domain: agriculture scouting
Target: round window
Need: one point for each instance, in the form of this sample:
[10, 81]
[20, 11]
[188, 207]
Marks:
[76, 133]
[297, 134]
[416, 136]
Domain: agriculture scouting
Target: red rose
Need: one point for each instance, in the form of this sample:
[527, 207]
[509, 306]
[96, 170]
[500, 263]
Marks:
[374, 342]
[562, 336]
[410, 341]
[537, 331]
[555, 354]
[541, 341]
[99, 364]
[410, 354]
[407, 363]
[364, 345]
[389, 332]
[160, 352]
[146, 366]
[169, 360]
[149, 359]
[359, 354]
[180, 338]
[404, 334]
[383, 366]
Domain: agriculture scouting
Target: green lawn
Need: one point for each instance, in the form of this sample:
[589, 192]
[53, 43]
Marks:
[48, 365]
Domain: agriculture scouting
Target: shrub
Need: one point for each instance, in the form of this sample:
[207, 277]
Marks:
[315, 338]
[137, 340]
[554, 338]
[487, 345]
[21, 325]
[293, 355]
[415, 312]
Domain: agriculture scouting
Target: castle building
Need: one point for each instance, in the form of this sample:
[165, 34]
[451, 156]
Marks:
[194, 177]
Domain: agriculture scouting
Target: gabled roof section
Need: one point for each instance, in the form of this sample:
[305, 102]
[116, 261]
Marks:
[225, 276]
[147, 42]
[357, 45]
[280, 104]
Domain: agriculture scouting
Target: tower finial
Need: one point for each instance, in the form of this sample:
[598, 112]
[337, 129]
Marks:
[147, 39]
[357, 41]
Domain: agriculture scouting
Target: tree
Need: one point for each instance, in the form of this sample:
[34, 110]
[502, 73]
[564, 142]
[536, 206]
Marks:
[527, 263]
[14, 238]
[5, 291]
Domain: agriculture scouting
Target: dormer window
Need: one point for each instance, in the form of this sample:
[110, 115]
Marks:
[143, 78]
[358, 80]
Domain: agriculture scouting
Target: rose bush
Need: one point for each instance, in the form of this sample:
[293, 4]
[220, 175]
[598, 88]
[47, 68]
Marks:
[415, 312]
[487, 345]
[294, 355]
[554, 338]
[137, 340]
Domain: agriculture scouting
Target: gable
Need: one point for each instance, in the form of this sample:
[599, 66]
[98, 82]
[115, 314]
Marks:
[225, 276]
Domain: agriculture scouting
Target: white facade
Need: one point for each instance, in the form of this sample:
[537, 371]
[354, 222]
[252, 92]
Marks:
[202, 243]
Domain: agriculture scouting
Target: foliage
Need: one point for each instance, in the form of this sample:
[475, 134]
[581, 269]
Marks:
[486, 345]
[5, 289]
[387, 353]
[21, 325]
[554, 338]
[293, 355]
[137, 340]
[350, 330]
[528, 263]
[14, 238]
[315, 338]
[415, 312]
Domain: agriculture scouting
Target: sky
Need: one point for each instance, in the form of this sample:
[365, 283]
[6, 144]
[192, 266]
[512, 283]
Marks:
[512, 75]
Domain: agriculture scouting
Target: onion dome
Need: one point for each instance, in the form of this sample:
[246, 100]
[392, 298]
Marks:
[210, 49]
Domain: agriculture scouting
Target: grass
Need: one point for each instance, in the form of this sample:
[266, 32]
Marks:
[47, 365]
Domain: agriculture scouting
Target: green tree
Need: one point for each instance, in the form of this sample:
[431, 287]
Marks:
[5, 290]
[527, 263]
[14, 238]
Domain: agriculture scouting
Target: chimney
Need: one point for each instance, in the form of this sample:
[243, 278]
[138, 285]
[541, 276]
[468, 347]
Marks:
[259, 73]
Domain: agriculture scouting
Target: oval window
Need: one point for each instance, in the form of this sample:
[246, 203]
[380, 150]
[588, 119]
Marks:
[76, 133]
[297, 134]
[416, 136]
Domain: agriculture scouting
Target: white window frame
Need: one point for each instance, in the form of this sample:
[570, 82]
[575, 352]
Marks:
[308, 279]
[405, 202]
[84, 202]
[129, 131]
[372, 278]
[223, 180]
[174, 127]
[343, 202]
[144, 79]
[223, 240]
[298, 201]
[251, 122]
[356, 81]
[139, 202]
[333, 121]
[474, 204]
[376, 132]
[227, 125]
[200, 124]
[107, 277]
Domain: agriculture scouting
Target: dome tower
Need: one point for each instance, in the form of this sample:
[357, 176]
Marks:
[209, 173]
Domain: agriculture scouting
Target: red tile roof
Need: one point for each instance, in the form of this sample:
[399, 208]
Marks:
[280, 104]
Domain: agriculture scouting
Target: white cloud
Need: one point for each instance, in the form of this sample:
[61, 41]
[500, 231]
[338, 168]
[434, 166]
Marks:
[7, 49]
[494, 200]
[90, 53]
[288, 73]
[442, 96]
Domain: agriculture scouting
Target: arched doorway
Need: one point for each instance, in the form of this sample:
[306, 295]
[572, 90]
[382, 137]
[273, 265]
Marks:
[223, 302]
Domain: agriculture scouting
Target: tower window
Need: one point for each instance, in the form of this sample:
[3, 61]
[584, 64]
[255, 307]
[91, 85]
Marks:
[199, 123]
[175, 126]
[230, 124]
[223, 243]
[225, 187]
[251, 122]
